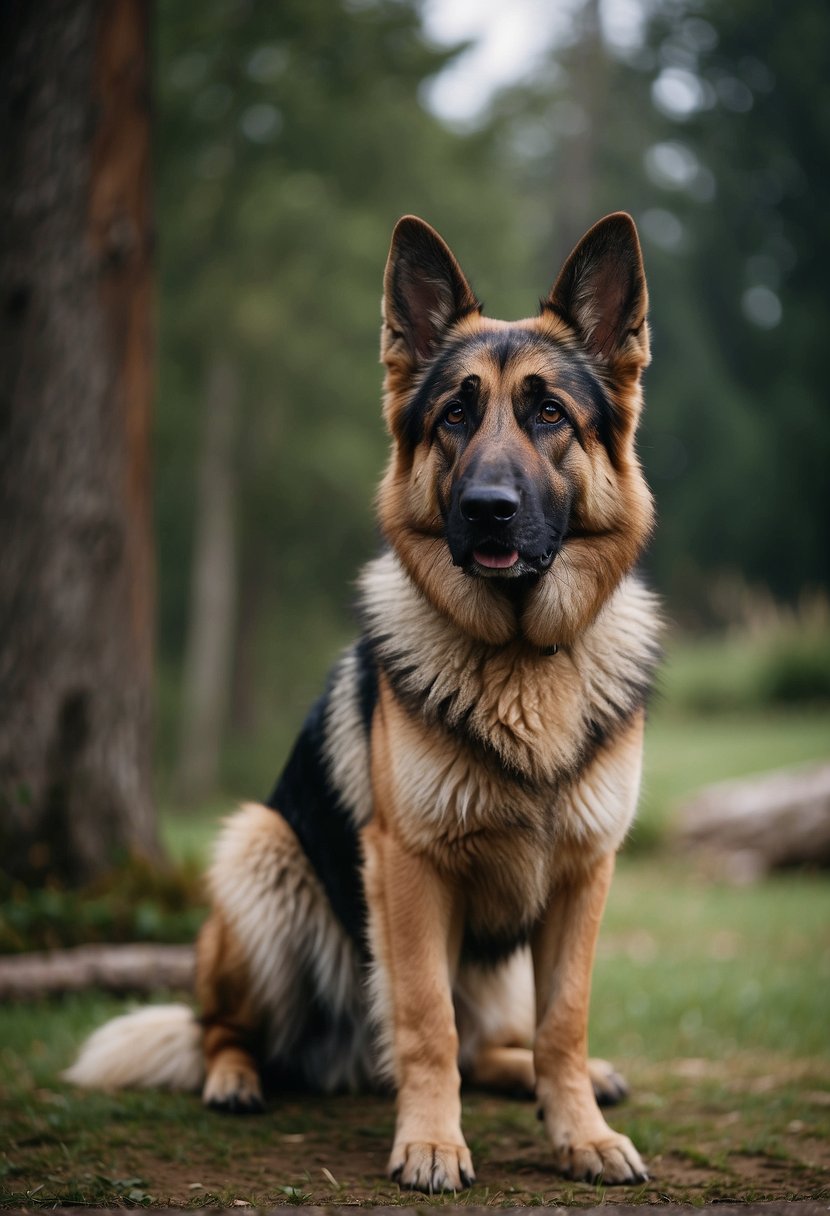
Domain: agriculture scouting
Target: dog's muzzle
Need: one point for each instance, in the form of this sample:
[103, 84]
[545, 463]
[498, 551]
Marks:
[493, 533]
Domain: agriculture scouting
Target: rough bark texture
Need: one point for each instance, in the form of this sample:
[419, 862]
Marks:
[136, 968]
[210, 633]
[76, 578]
[747, 828]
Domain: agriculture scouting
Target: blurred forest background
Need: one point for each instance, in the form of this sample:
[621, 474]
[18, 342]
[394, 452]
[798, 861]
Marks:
[288, 140]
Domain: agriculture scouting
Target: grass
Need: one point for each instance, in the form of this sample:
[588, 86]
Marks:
[707, 970]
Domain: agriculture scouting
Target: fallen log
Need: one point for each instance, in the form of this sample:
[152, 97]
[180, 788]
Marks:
[142, 968]
[748, 827]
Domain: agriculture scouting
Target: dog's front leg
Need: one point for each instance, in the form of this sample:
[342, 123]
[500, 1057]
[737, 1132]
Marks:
[414, 919]
[585, 1147]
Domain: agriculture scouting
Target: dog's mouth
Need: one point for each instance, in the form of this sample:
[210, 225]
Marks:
[495, 559]
[493, 556]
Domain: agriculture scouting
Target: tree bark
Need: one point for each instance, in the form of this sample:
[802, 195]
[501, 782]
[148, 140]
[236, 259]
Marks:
[77, 574]
[210, 634]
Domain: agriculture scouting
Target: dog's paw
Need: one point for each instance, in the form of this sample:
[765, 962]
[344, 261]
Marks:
[234, 1090]
[432, 1167]
[609, 1086]
[612, 1160]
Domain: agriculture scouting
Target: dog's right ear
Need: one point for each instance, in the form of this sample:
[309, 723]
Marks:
[424, 293]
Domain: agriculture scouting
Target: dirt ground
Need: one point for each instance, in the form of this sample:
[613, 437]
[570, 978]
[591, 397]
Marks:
[315, 1167]
[704, 1140]
[746, 1129]
[306, 1168]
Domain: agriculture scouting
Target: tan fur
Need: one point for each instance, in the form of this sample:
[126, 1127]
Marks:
[471, 841]
[531, 709]
[490, 868]
[496, 772]
[563, 949]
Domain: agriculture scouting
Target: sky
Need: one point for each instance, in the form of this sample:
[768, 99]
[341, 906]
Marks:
[509, 43]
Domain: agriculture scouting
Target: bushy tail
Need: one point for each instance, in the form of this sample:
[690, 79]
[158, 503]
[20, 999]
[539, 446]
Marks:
[158, 1047]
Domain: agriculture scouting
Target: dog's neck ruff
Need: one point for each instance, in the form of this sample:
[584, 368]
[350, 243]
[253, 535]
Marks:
[540, 721]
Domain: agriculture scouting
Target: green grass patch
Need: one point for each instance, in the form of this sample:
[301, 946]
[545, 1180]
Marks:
[708, 970]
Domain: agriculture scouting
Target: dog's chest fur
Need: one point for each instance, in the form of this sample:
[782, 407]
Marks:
[497, 754]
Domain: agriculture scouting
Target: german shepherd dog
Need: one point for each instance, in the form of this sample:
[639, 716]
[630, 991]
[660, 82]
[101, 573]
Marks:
[419, 899]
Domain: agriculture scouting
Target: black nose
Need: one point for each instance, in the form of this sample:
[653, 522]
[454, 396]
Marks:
[488, 504]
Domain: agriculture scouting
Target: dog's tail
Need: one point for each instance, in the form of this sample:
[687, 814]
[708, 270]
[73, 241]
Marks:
[158, 1047]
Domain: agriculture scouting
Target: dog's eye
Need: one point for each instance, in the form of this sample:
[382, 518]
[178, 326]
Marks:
[454, 413]
[551, 412]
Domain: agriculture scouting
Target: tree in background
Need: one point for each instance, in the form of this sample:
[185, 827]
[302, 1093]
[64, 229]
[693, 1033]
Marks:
[746, 90]
[76, 577]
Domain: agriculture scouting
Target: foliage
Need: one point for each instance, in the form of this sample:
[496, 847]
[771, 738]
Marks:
[757, 259]
[784, 665]
[136, 902]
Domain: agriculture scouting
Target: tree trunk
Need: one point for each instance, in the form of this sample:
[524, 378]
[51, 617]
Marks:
[210, 634]
[77, 576]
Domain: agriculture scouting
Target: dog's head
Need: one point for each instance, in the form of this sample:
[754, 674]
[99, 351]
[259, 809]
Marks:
[514, 496]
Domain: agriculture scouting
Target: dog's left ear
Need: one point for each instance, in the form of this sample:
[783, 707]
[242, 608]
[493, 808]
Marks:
[601, 291]
[424, 293]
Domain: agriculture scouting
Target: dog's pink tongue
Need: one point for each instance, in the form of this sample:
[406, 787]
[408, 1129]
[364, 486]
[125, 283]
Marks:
[497, 561]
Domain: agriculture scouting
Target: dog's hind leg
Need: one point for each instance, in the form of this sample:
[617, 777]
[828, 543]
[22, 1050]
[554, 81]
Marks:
[504, 1069]
[495, 1016]
[249, 975]
[494, 1009]
[610, 1086]
[229, 1020]
[277, 977]
[510, 1070]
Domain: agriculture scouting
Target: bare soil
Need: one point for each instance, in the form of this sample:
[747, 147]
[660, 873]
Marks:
[745, 1132]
